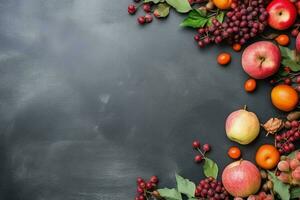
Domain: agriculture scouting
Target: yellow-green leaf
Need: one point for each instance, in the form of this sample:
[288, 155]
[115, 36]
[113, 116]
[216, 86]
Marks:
[210, 168]
[182, 6]
[280, 188]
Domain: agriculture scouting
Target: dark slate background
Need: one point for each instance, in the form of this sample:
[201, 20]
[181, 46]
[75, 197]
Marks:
[89, 100]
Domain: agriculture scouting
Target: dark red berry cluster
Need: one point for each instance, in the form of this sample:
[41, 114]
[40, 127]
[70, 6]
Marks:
[146, 189]
[197, 146]
[245, 20]
[147, 18]
[211, 189]
[295, 30]
[290, 79]
[285, 141]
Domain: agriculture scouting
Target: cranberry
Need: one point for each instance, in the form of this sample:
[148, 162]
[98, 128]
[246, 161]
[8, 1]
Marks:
[196, 144]
[198, 158]
[154, 179]
[141, 20]
[148, 18]
[295, 32]
[288, 81]
[149, 186]
[147, 7]
[196, 37]
[140, 190]
[142, 185]
[206, 147]
[131, 9]
[141, 197]
[139, 180]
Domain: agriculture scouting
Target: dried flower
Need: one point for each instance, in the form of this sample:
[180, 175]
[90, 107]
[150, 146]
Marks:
[273, 125]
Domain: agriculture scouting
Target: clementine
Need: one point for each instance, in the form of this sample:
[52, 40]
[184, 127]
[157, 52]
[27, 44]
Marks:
[267, 156]
[284, 97]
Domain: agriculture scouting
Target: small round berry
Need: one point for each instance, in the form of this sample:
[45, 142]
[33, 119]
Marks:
[139, 180]
[198, 158]
[154, 179]
[142, 185]
[206, 147]
[223, 58]
[196, 144]
[140, 190]
[141, 20]
[236, 47]
[131, 9]
[148, 18]
[141, 197]
[147, 7]
[149, 186]
[295, 32]
[287, 81]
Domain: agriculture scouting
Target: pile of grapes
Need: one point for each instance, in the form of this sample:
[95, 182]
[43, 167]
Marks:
[244, 21]
[285, 141]
[210, 188]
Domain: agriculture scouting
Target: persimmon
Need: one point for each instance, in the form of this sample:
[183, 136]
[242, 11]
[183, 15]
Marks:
[224, 58]
[236, 47]
[222, 4]
[284, 97]
[250, 85]
[234, 152]
[283, 39]
[267, 156]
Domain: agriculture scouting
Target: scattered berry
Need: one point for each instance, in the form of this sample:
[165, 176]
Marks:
[148, 18]
[141, 20]
[206, 147]
[224, 58]
[283, 40]
[234, 152]
[196, 144]
[131, 9]
[147, 7]
[250, 85]
[236, 47]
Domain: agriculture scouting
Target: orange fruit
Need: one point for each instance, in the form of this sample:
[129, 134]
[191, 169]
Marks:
[224, 58]
[222, 4]
[267, 156]
[236, 47]
[234, 152]
[250, 85]
[283, 40]
[284, 97]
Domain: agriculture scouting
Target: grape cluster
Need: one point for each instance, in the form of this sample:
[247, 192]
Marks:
[285, 141]
[211, 189]
[245, 20]
[289, 169]
[146, 189]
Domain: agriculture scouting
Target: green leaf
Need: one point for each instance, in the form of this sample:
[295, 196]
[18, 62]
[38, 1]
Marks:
[210, 168]
[182, 6]
[195, 19]
[293, 65]
[202, 12]
[282, 72]
[170, 194]
[185, 186]
[295, 193]
[220, 17]
[280, 188]
[163, 9]
[192, 198]
[287, 53]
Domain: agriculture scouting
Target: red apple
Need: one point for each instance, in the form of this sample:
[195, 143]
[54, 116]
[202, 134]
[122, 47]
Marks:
[298, 43]
[282, 14]
[241, 178]
[261, 59]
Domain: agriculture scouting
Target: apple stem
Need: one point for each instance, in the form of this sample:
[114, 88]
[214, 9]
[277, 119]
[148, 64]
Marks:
[245, 107]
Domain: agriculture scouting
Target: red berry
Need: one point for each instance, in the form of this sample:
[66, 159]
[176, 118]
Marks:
[277, 137]
[295, 32]
[140, 190]
[196, 144]
[139, 180]
[206, 147]
[277, 173]
[154, 179]
[291, 147]
[141, 197]
[141, 20]
[149, 186]
[196, 37]
[148, 18]
[287, 81]
[295, 124]
[198, 158]
[147, 7]
[131, 9]
[142, 185]
[297, 88]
